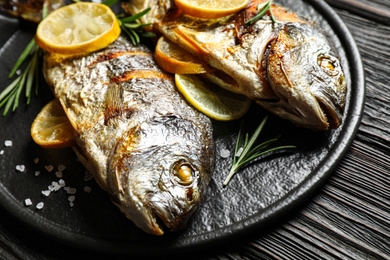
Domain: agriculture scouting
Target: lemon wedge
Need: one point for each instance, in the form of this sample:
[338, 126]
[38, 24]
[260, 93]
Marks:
[51, 129]
[211, 100]
[174, 59]
[78, 28]
[210, 9]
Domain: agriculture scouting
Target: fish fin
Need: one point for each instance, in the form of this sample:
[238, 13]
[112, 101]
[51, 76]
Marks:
[114, 102]
[183, 35]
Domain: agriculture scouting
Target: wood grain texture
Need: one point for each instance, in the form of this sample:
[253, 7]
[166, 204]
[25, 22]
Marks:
[349, 218]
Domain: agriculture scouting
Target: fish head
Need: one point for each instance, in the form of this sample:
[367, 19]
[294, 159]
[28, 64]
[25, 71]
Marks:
[307, 78]
[161, 173]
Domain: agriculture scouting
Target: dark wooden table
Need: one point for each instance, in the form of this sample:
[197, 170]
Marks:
[348, 218]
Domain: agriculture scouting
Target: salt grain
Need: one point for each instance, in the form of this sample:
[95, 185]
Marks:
[40, 205]
[1, 152]
[49, 168]
[37, 173]
[46, 193]
[88, 176]
[239, 152]
[71, 204]
[61, 182]
[20, 168]
[36, 160]
[27, 202]
[59, 174]
[61, 167]
[56, 186]
[71, 198]
[8, 143]
[70, 190]
[87, 189]
[225, 153]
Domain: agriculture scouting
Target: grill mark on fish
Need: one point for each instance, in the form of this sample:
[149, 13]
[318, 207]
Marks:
[107, 57]
[143, 74]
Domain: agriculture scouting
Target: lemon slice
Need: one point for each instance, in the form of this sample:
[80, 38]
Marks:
[212, 100]
[210, 9]
[51, 128]
[174, 59]
[78, 28]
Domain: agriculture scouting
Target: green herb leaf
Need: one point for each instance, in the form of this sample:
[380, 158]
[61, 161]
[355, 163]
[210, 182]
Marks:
[248, 154]
[133, 29]
[264, 8]
[110, 2]
[10, 96]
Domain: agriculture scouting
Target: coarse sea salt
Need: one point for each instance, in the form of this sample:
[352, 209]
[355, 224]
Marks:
[27, 202]
[1, 152]
[59, 174]
[61, 167]
[36, 160]
[70, 190]
[8, 143]
[20, 168]
[40, 205]
[88, 176]
[37, 173]
[87, 189]
[46, 193]
[71, 198]
[225, 153]
[49, 168]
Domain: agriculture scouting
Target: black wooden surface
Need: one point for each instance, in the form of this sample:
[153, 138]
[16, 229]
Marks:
[348, 218]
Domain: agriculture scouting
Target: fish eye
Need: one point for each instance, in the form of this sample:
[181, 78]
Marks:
[183, 172]
[328, 64]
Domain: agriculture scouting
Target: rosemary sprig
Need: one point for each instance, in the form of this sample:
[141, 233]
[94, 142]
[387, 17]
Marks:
[264, 8]
[130, 26]
[242, 158]
[10, 96]
[134, 29]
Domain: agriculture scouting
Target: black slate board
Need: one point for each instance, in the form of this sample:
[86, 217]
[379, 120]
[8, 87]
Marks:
[262, 193]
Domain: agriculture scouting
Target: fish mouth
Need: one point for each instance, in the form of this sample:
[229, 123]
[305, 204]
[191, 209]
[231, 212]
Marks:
[172, 217]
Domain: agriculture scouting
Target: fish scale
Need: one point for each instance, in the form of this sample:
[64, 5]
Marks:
[135, 133]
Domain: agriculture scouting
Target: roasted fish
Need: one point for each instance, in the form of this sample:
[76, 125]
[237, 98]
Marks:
[145, 145]
[288, 67]
[30, 10]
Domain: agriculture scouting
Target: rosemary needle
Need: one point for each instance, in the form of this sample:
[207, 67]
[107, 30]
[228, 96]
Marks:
[244, 143]
[10, 96]
[264, 8]
[130, 26]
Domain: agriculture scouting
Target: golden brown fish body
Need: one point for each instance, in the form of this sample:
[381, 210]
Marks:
[30, 10]
[150, 150]
[287, 67]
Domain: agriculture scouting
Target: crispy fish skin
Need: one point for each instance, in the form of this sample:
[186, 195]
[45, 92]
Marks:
[144, 144]
[287, 67]
[30, 10]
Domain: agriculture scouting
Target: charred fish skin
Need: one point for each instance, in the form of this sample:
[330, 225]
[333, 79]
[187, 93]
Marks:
[145, 145]
[288, 67]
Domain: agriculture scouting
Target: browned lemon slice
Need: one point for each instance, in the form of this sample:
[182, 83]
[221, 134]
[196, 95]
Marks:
[174, 59]
[51, 128]
[78, 28]
[210, 9]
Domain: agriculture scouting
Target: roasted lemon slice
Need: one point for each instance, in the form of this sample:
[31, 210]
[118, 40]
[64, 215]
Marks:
[78, 28]
[174, 59]
[213, 101]
[51, 128]
[210, 9]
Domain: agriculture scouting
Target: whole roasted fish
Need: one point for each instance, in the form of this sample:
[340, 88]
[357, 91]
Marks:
[145, 145]
[30, 10]
[287, 67]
